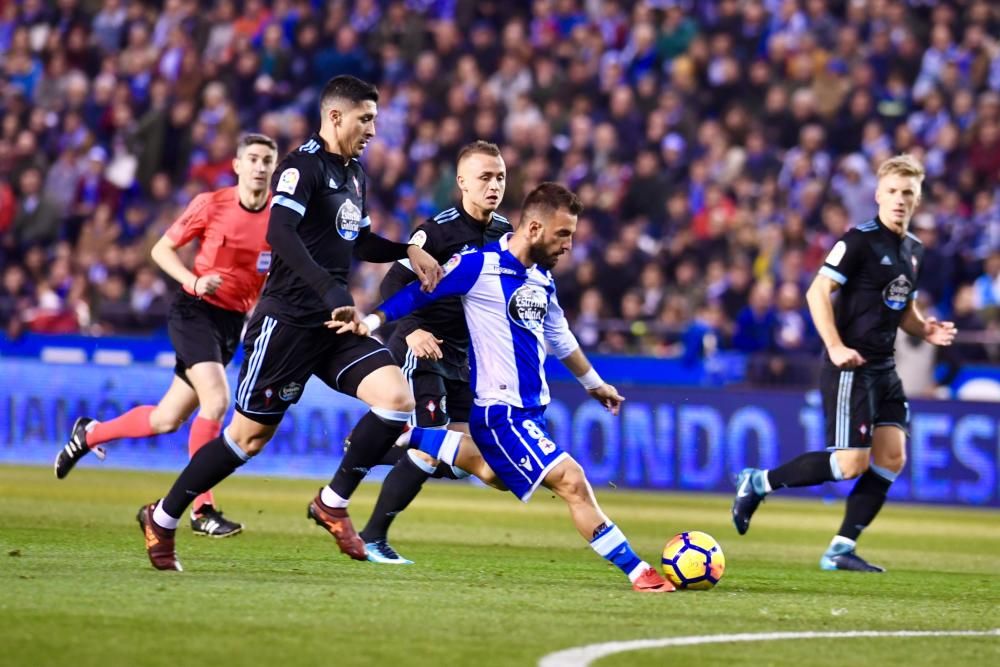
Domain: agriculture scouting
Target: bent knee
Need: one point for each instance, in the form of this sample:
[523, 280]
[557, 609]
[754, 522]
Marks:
[894, 462]
[398, 401]
[853, 467]
[572, 484]
[164, 422]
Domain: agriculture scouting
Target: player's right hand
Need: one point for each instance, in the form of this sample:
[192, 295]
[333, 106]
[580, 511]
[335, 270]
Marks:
[425, 344]
[428, 271]
[207, 284]
[844, 357]
[345, 319]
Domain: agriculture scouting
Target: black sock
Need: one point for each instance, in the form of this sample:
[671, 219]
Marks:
[393, 456]
[211, 464]
[370, 440]
[445, 471]
[400, 487]
[810, 469]
[865, 501]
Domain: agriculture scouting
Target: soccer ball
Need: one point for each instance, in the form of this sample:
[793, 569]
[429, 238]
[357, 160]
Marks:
[693, 560]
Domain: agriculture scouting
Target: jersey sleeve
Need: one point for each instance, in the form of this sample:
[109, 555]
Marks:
[192, 222]
[294, 183]
[556, 329]
[460, 274]
[845, 258]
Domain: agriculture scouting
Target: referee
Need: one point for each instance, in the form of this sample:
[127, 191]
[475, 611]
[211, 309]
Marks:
[875, 267]
[205, 321]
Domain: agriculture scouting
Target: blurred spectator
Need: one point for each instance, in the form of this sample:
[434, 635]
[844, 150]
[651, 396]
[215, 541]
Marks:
[720, 147]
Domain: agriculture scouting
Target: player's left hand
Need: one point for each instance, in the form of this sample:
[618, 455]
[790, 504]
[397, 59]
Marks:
[424, 344]
[345, 320]
[428, 271]
[939, 333]
[609, 397]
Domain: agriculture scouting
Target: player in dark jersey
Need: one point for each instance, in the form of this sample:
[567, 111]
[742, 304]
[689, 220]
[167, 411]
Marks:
[205, 322]
[875, 267]
[319, 221]
[432, 345]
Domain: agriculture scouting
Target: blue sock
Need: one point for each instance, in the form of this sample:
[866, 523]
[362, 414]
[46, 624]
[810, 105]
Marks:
[428, 440]
[610, 544]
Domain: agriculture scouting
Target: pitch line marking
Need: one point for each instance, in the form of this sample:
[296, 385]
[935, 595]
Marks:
[581, 656]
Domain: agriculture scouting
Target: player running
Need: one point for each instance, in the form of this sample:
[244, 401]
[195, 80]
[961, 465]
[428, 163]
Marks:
[205, 321]
[432, 344]
[510, 305]
[875, 266]
[319, 220]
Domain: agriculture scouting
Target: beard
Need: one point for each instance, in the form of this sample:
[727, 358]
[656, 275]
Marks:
[539, 256]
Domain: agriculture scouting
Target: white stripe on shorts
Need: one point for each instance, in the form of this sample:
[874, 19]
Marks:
[255, 362]
[842, 435]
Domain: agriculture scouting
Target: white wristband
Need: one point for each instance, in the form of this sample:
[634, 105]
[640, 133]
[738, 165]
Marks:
[590, 379]
[372, 321]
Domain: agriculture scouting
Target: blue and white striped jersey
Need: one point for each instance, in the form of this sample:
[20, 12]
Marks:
[512, 312]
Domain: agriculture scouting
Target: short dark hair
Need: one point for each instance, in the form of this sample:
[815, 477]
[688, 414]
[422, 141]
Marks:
[347, 87]
[478, 146]
[253, 139]
[549, 197]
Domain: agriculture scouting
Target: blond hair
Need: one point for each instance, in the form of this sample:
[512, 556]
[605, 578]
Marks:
[903, 164]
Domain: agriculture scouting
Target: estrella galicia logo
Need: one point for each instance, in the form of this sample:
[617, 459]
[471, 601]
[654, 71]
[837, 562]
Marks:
[348, 220]
[527, 307]
[897, 293]
[290, 392]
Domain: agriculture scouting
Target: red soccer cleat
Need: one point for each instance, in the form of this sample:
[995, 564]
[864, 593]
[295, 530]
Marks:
[159, 541]
[337, 523]
[650, 581]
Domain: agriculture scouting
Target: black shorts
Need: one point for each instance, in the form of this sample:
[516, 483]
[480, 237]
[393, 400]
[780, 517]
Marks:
[857, 401]
[442, 393]
[280, 358]
[201, 332]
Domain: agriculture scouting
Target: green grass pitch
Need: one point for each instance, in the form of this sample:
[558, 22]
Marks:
[495, 583]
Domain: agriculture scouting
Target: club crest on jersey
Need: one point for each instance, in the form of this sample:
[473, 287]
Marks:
[897, 293]
[289, 181]
[527, 307]
[348, 220]
[290, 392]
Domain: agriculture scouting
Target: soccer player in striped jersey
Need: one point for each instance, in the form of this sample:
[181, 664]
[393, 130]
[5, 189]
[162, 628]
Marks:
[432, 344]
[874, 266]
[205, 320]
[510, 305]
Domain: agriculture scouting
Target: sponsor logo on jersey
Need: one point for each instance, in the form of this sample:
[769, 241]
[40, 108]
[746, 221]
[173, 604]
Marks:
[289, 181]
[348, 220]
[897, 293]
[332, 183]
[525, 463]
[290, 392]
[836, 254]
[454, 261]
[527, 307]
[264, 261]
[419, 238]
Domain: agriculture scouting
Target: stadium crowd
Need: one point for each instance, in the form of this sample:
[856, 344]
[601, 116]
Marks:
[720, 146]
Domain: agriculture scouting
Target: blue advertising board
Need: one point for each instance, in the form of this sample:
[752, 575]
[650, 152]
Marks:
[668, 438]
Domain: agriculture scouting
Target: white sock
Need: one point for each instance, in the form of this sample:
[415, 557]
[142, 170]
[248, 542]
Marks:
[637, 571]
[404, 438]
[839, 539]
[90, 427]
[162, 519]
[331, 498]
[449, 450]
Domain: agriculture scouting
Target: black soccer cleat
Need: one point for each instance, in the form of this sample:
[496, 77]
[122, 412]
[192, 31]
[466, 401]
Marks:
[747, 500]
[848, 560]
[210, 523]
[75, 449]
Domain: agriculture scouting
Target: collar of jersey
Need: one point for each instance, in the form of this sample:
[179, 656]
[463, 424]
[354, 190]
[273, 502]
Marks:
[505, 252]
[468, 218]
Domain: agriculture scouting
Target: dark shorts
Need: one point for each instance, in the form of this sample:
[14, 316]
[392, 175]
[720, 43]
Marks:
[201, 332]
[440, 397]
[280, 358]
[857, 401]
